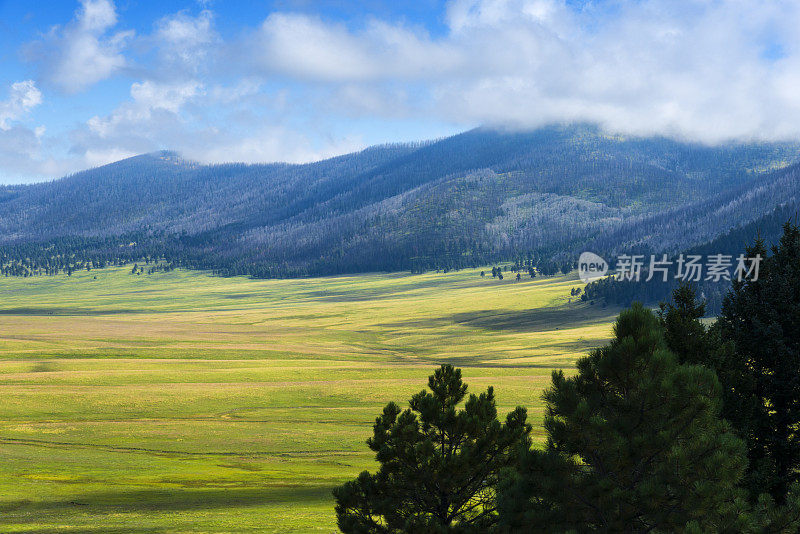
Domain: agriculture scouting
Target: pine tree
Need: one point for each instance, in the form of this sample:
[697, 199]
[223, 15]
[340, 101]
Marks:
[439, 465]
[635, 444]
[685, 335]
[692, 342]
[759, 335]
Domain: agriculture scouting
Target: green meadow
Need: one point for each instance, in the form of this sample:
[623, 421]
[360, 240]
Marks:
[184, 402]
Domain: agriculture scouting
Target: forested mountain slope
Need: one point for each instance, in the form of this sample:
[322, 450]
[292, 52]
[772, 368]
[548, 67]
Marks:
[480, 196]
[724, 224]
[706, 219]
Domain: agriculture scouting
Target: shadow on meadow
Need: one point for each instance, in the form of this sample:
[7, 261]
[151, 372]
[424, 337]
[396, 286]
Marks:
[94, 530]
[517, 321]
[536, 320]
[59, 311]
[145, 501]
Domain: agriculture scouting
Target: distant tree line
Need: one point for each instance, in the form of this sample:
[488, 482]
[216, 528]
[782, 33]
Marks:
[70, 254]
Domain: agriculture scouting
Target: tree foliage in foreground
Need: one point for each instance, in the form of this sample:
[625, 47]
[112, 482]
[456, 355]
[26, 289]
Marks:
[672, 427]
[684, 333]
[758, 338]
[439, 465]
[716, 348]
[635, 444]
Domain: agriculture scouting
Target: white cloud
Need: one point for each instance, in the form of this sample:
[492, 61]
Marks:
[174, 116]
[25, 155]
[307, 48]
[82, 53]
[19, 149]
[149, 95]
[23, 97]
[23, 150]
[96, 16]
[152, 119]
[267, 144]
[692, 68]
[96, 158]
[704, 70]
[185, 41]
[226, 95]
[148, 98]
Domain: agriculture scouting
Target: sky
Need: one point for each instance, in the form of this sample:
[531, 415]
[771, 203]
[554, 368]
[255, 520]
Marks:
[88, 82]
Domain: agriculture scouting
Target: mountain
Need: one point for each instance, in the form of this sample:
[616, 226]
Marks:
[477, 197]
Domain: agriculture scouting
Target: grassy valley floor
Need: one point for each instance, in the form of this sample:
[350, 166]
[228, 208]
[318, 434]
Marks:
[183, 402]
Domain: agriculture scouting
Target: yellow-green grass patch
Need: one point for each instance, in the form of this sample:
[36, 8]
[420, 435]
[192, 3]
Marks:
[184, 402]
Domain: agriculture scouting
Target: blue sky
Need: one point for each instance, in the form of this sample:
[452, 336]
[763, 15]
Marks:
[88, 82]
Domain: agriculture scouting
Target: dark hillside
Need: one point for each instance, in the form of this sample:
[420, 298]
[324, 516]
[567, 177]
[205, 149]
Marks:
[472, 198]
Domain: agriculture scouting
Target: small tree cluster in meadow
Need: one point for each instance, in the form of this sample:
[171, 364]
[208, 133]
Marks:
[671, 427]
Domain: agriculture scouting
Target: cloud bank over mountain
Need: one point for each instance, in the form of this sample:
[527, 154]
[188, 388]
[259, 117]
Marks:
[297, 85]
